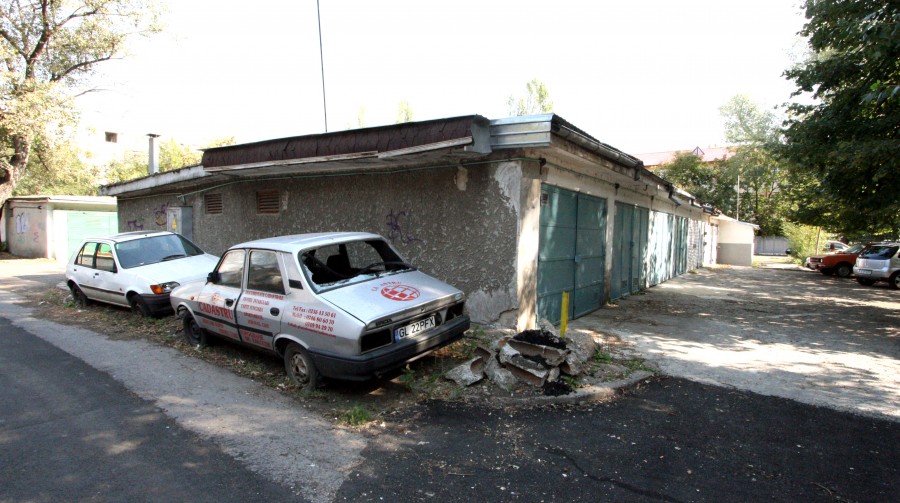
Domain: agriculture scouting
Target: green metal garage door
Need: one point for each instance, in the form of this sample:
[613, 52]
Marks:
[85, 224]
[629, 250]
[572, 253]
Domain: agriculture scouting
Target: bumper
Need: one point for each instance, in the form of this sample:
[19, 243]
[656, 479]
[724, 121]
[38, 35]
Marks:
[158, 304]
[359, 368]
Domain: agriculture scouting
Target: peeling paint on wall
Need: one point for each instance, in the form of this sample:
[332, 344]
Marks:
[509, 177]
[489, 305]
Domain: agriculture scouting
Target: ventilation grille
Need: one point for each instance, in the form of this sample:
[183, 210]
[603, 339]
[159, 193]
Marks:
[213, 204]
[268, 201]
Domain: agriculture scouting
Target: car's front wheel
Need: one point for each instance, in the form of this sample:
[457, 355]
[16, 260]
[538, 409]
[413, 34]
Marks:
[843, 270]
[193, 335]
[139, 306]
[894, 281]
[300, 367]
[865, 281]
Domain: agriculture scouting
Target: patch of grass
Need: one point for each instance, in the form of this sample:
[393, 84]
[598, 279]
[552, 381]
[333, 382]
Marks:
[634, 364]
[602, 357]
[356, 416]
[571, 381]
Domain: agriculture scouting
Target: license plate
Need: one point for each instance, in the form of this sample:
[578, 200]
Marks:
[864, 272]
[414, 328]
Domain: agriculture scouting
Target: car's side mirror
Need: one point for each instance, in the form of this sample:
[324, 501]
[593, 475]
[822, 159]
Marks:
[212, 277]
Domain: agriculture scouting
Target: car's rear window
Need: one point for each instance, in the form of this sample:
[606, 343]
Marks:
[154, 249]
[880, 252]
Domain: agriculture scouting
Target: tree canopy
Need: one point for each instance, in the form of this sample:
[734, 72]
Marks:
[842, 136]
[47, 49]
[535, 101]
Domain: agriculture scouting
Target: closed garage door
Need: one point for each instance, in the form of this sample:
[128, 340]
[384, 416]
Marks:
[629, 274]
[572, 253]
[84, 224]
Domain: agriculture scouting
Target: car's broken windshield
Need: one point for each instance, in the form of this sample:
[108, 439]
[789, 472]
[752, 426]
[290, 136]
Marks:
[341, 264]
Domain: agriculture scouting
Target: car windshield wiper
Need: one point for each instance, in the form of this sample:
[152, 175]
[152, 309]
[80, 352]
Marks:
[173, 257]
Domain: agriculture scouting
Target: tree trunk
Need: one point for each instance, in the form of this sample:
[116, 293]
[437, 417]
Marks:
[11, 171]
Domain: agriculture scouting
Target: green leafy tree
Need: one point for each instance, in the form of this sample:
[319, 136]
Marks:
[47, 49]
[711, 182]
[535, 101]
[57, 169]
[755, 134]
[842, 139]
[404, 112]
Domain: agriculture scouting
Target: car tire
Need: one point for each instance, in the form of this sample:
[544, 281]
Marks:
[894, 281]
[300, 368]
[79, 297]
[138, 306]
[865, 281]
[843, 270]
[193, 335]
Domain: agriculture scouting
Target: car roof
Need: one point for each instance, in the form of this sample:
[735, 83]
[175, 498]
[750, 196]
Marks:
[129, 236]
[297, 242]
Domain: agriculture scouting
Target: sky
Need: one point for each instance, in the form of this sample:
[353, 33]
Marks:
[640, 75]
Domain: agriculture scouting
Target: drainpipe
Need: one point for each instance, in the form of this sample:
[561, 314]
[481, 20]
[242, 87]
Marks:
[153, 157]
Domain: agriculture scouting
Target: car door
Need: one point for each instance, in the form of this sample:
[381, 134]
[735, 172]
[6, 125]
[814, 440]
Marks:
[218, 299]
[94, 271]
[262, 303]
[107, 279]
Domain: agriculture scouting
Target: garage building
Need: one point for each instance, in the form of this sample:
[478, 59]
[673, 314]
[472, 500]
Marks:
[512, 211]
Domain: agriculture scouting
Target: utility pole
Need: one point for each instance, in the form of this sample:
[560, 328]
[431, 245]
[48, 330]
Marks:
[322, 65]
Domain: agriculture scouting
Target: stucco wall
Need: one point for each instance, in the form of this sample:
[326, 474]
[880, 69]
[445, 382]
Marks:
[459, 226]
[26, 230]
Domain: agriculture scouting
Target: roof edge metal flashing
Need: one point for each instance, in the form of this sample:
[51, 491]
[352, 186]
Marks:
[153, 181]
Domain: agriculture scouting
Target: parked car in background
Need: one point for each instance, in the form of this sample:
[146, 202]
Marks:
[879, 262]
[340, 305]
[834, 246]
[136, 270]
[840, 264]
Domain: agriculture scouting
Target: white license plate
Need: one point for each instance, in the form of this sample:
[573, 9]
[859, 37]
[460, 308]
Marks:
[864, 272]
[414, 328]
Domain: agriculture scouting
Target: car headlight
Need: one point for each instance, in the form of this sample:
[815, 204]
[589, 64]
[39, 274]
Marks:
[163, 287]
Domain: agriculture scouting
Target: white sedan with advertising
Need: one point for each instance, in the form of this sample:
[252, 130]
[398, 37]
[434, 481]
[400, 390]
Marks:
[135, 269]
[339, 305]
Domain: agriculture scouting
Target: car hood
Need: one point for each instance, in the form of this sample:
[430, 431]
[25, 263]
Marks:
[182, 270]
[389, 295]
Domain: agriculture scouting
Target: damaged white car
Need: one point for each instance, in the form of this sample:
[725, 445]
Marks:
[339, 305]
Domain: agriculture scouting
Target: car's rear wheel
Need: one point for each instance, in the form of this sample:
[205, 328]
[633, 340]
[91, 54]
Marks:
[79, 297]
[139, 306]
[894, 281]
[843, 270]
[300, 367]
[865, 281]
[193, 335]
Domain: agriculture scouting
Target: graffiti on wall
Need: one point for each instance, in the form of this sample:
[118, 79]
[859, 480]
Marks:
[135, 225]
[398, 227]
[22, 225]
[159, 214]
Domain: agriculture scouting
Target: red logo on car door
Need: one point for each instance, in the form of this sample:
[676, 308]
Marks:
[400, 292]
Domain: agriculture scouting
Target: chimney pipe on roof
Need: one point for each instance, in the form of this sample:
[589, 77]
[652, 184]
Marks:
[153, 165]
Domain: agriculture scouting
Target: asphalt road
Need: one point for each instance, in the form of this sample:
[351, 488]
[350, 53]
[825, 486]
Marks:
[672, 440]
[69, 432]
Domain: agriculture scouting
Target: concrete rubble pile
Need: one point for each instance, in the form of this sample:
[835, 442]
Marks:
[536, 358]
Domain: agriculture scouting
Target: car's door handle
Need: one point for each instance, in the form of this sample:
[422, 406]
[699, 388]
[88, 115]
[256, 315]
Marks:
[274, 311]
[229, 302]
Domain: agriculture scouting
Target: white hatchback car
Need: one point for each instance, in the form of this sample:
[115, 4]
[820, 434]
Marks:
[136, 270]
[341, 305]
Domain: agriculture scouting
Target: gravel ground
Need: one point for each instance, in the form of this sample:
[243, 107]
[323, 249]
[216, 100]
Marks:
[777, 330]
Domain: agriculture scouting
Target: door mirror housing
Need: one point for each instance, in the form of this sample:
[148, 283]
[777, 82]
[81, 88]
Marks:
[212, 277]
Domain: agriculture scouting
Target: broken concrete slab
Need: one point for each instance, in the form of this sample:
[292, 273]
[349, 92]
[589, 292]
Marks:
[581, 343]
[553, 356]
[500, 376]
[468, 373]
[534, 378]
